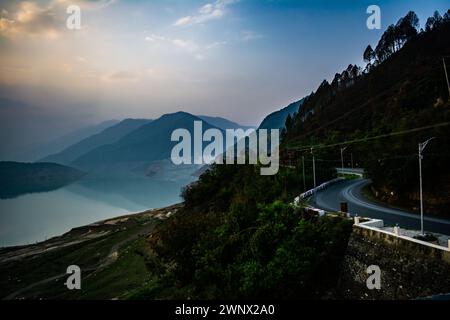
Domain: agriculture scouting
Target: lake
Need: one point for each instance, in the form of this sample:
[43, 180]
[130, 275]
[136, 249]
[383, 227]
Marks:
[36, 217]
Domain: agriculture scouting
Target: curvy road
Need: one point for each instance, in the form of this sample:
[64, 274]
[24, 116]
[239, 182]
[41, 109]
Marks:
[350, 191]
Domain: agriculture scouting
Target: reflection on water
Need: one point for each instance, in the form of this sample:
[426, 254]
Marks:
[39, 216]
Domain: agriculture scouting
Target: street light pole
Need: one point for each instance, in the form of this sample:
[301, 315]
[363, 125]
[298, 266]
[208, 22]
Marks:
[446, 75]
[421, 148]
[342, 159]
[314, 173]
[304, 181]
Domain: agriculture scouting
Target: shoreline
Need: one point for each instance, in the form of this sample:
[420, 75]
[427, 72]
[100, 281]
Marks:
[83, 233]
[39, 270]
[97, 222]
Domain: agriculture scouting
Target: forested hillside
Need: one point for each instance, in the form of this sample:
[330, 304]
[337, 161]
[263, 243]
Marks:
[383, 113]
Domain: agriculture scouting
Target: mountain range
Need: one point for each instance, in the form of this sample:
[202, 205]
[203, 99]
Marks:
[134, 141]
[109, 135]
[277, 120]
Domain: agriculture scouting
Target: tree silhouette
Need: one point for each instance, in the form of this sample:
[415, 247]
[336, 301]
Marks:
[407, 26]
[446, 17]
[397, 35]
[434, 21]
[368, 54]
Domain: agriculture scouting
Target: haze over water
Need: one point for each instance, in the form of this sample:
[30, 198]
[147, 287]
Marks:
[39, 216]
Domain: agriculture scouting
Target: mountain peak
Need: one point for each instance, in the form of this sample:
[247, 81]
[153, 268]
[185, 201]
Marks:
[277, 119]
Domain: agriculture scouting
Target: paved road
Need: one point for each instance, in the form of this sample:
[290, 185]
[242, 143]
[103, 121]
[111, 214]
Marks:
[350, 191]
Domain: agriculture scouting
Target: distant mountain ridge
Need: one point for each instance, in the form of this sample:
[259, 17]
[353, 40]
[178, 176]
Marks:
[108, 136]
[76, 136]
[277, 119]
[150, 142]
[223, 123]
[18, 178]
[135, 143]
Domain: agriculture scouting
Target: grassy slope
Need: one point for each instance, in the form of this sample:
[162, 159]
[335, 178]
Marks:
[103, 277]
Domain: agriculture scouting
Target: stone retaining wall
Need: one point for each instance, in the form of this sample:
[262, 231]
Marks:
[409, 269]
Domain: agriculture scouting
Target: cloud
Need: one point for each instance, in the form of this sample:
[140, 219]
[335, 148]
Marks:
[250, 35]
[186, 45]
[87, 4]
[30, 19]
[216, 44]
[155, 38]
[123, 75]
[189, 46]
[210, 11]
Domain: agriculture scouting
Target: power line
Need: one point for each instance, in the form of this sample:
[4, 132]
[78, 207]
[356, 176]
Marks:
[347, 113]
[367, 103]
[321, 146]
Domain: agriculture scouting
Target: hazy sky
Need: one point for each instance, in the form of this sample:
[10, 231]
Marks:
[240, 59]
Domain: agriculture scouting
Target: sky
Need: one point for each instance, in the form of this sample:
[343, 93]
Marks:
[239, 59]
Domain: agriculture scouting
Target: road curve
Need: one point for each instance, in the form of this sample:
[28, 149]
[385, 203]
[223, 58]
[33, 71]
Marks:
[350, 192]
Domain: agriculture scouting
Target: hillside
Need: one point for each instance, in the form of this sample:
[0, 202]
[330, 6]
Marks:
[109, 135]
[245, 240]
[277, 119]
[19, 178]
[403, 100]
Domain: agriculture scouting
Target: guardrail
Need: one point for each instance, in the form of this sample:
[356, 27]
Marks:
[310, 192]
[355, 171]
[376, 225]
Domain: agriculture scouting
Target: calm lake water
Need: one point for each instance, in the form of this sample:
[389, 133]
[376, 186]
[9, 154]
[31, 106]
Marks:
[39, 216]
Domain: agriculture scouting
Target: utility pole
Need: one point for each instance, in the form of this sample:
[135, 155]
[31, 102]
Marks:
[314, 173]
[421, 148]
[304, 181]
[352, 159]
[342, 158]
[446, 76]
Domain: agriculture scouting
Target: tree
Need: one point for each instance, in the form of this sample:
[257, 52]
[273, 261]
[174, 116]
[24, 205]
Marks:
[434, 21]
[384, 47]
[288, 123]
[392, 38]
[345, 77]
[407, 26]
[446, 17]
[429, 25]
[355, 72]
[368, 54]
[337, 80]
[437, 18]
